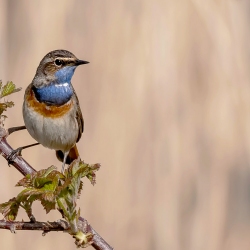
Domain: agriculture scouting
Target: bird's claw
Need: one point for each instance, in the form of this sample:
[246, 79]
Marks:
[14, 153]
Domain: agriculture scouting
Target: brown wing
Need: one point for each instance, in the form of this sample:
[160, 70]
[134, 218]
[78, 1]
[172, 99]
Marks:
[79, 118]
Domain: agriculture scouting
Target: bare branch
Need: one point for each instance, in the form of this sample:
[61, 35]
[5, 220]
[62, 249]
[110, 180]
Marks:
[42, 226]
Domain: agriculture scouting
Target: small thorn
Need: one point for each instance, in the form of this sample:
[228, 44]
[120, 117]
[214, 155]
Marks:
[13, 229]
[32, 219]
[44, 233]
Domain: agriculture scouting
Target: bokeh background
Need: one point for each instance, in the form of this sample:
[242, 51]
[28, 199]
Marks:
[166, 103]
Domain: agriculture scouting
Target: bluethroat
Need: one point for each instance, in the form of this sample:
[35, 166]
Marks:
[51, 109]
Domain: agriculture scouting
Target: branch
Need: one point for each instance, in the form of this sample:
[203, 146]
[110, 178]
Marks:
[24, 168]
[42, 226]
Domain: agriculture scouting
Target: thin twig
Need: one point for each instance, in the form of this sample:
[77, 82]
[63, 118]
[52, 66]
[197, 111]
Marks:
[24, 168]
[42, 226]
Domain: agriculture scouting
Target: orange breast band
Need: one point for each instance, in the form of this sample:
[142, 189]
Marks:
[46, 110]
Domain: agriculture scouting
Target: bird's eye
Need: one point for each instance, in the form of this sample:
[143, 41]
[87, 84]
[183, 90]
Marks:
[58, 62]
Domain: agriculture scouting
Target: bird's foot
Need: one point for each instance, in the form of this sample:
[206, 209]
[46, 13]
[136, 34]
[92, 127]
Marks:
[17, 152]
[14, 153]
[14, 129]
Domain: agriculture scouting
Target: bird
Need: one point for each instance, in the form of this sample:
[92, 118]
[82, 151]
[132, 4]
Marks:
[51, 109]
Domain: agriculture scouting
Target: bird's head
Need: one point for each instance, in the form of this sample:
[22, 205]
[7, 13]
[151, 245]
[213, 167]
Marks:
[57, 66]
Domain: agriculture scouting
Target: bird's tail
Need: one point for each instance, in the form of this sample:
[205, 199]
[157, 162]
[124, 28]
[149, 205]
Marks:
[73, 155]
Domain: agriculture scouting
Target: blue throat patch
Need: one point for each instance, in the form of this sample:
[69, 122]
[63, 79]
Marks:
[58, 92]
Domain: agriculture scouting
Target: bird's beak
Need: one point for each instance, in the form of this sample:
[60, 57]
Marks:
[79, 62]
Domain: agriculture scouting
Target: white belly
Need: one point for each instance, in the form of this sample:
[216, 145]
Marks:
[54, 133]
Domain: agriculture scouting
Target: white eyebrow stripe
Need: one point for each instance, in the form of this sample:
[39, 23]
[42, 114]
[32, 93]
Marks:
[66, 59]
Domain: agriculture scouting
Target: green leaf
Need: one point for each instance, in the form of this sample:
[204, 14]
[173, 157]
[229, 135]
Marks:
[48, 205]
[55, 191]
[9, 209]
[5, 90]
[79, 190]
[5, 105]
[8, 89]
[40, 178]
[9, 104]
[2, 108]
[49, 196]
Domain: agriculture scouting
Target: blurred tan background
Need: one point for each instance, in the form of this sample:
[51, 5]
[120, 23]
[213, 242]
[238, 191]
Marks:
[166, 103]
